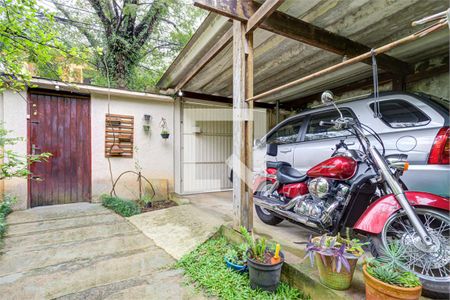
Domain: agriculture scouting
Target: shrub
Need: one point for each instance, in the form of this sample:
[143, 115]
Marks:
[5, 209]
[125, 208]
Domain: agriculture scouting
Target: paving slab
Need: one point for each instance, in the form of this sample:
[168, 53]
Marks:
[63, 211]
[86, 252]
[179, 229]
[61, 224]
[42, 240]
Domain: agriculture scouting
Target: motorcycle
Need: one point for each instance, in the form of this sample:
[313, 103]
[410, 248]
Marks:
[361, 190]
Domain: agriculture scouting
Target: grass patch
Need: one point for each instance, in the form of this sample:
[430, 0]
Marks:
[125, 208]
[206, 269]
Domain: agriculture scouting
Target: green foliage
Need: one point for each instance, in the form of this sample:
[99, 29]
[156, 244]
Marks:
[5, 209]
[27, 34]
[134, 41]
[388, 267]
[352, 246]
[237, 255]
[125, 208]
[15, 164]
[258, 247]
[206, 269]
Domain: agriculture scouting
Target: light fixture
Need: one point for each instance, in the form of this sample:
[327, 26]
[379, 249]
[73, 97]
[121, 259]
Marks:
[147, 118]
[180, 93]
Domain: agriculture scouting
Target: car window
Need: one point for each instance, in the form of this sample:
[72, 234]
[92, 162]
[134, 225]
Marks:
[317, 132]
[286, 134]
[401, 114]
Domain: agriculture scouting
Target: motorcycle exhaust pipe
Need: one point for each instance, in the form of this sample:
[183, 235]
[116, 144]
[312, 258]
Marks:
[283, 210]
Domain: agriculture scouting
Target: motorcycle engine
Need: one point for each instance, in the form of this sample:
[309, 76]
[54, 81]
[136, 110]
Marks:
[325, 196]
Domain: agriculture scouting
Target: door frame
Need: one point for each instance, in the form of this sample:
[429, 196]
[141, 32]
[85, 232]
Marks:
[48, 92]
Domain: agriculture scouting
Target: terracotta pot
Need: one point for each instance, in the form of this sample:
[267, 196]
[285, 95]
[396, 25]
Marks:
[378, 290]
[333, 279]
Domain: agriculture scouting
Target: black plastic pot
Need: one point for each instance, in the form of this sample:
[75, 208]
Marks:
[263, 276]
[165, 135]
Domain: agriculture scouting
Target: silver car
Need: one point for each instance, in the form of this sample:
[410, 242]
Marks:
[416, 125]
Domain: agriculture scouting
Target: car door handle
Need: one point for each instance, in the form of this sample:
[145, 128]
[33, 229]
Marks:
[286, 151]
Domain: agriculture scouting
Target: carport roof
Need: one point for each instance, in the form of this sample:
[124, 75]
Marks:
[278, 60]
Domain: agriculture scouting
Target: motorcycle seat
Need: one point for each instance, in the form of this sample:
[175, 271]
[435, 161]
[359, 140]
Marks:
[287, 175]
[277, 164]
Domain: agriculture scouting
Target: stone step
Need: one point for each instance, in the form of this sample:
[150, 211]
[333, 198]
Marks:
[62, 211]
[57, 281]
[165, 284]
[62, 224]
[42, 240]
[14, 261]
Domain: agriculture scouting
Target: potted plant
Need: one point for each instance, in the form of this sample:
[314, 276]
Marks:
[164, 130]
[236, 258]
[336, 259]
[165, 134]
[264, 264]
[385, 278]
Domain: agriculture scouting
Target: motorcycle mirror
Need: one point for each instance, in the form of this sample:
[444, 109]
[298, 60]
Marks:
[327, 98]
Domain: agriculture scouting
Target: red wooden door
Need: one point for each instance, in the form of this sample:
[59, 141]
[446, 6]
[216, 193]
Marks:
[60, 124]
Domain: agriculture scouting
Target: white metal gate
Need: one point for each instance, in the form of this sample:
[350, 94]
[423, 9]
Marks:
[206, 143]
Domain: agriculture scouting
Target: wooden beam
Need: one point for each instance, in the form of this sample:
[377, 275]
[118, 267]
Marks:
[219, 46]
[248, 127]
[290, 27]
[366, 83]
[220, 99]
[239, 104]
[266, 9]
[299, 104]
[354, 60]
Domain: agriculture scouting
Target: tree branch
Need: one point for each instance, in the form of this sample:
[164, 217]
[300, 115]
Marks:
[83, 30]
[96, 4]
[147, 25]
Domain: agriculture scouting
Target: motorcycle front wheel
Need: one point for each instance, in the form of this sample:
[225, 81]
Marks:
[265, 215]
[430, 264]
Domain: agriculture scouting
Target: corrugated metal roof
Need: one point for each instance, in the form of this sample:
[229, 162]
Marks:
[278, 60]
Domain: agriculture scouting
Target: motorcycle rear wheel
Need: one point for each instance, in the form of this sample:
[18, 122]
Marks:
[265, 215]
[432, 266]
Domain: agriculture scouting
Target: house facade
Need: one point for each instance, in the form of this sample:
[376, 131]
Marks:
[81, 125]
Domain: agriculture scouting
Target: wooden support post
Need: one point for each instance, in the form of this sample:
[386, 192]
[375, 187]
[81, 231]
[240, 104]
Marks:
[398, 83]
[242, 127]
[249, 131]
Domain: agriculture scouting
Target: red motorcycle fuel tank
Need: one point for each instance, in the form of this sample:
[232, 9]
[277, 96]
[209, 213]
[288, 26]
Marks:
[338, 167]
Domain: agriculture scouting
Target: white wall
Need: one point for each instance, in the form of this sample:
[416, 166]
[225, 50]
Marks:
[14, 117]
[154, 154]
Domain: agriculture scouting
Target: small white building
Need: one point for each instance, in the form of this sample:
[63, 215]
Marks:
[95, 134]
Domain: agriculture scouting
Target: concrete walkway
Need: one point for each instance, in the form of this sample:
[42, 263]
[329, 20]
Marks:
[83, 251]
[220, 206]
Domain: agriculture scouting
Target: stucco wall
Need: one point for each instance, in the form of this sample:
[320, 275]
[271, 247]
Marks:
[153, 154]
[14, 117]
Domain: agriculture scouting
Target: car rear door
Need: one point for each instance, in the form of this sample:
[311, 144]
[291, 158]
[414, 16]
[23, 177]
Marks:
[286, 136]
[318, 142]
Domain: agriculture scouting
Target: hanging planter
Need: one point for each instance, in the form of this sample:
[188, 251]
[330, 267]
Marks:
[165, 134]
[164, 130]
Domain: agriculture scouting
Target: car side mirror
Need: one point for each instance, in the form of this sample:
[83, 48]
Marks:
[272, 149]
[257, 143]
